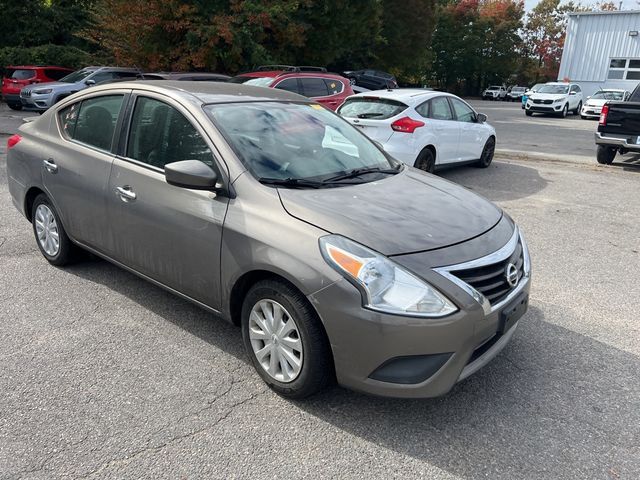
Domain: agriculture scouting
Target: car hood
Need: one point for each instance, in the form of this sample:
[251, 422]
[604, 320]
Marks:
[55, 85]
[549, 96]
[408, 212]
[598, 102]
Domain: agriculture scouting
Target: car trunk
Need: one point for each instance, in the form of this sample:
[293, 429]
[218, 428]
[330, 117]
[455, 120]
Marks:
[372, 115]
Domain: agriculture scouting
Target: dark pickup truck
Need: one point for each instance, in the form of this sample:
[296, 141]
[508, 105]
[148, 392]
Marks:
[619, 128]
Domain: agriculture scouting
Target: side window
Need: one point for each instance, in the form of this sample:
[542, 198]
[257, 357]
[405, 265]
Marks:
[55, 74]
[290, 85]
[96, 121]
[160, 134]
[423, 109]
[334, 86]
[314, 87]
[439, 109]
[574, 89]
[103, 77]
[68, 118]
[464, 113]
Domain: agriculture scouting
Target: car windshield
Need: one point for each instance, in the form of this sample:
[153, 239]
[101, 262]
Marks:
[76, 76]
[517, 89]
[371, 107]
[21, 74]
[554, 89]
[493, 88]
[536, 87]
[296, 141]
[608, 96]
[255, 81]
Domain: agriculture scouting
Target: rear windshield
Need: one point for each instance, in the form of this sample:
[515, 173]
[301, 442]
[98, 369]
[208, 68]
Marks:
[21, 74]
[369, 107]
[255, 81]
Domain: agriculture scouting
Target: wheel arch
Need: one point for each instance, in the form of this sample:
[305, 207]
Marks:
[29, 198]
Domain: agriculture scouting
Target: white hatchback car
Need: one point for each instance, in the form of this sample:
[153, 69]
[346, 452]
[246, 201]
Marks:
[556, 98]
[423, 128]
[593, 105]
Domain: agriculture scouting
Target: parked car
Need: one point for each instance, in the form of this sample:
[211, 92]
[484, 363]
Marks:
[371, 79]
[555, 98]
[277, 219]
[423, 128]
[187, 76]
[530, 92]
[39, 98]
[515, 94]
[593, 106]
[18, 77]
[619, 128]
[326, 88]
[494, 92]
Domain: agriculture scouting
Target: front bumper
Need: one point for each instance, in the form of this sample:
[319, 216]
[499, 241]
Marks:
[365, 342]
[13, 99]
[631, 143]
[37, 102]
[544, 108]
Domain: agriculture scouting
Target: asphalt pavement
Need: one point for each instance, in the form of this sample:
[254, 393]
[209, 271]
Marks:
[103, 375]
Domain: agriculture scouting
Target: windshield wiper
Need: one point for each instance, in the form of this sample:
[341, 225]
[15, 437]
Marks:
[356, 172]
[292, 182]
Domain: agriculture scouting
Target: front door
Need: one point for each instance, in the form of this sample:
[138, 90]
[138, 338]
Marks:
[445, 128]
[170, 234]
[75, 171]
[472, 134]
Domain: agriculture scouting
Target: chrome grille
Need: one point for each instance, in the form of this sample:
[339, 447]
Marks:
[25, 93]
[491, 280]
[545, 102]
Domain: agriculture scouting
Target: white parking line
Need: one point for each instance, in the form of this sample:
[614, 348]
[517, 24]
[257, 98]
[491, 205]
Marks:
[560, 123]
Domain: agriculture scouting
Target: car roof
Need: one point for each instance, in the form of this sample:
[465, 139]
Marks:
[560, 83]
[286, 74]
[611, 90]
[206, 92]
[409, 96]
[33, 67]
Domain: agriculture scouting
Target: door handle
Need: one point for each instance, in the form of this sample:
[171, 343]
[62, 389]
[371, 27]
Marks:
[50, 165]
[125, 193]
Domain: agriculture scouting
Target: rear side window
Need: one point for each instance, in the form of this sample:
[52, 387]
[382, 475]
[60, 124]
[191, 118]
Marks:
[314, 87]
[439, 109]
[21, 74]
[93, 121]
[289, 84]
[334, 86]
[368, 107]
[55, 74]
[160, 134]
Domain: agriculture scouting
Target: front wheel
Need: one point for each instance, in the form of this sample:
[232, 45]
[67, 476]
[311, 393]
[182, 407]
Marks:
[285, 340]
[578, 108]
[564, 111]
[528, 113]
[52, 240]
[605, 155]
[487, 153]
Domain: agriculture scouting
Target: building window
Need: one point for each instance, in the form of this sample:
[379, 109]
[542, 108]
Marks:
[624, 68]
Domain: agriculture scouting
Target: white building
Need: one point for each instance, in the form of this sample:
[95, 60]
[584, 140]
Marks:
[602, 50]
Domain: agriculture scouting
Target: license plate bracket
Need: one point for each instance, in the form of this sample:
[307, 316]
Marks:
[512, 313]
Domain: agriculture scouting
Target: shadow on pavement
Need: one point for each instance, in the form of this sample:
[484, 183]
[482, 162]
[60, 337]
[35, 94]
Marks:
[553, 401]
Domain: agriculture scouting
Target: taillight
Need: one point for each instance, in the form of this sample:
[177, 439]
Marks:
[603, 115]
[406, 125]
[13, 141]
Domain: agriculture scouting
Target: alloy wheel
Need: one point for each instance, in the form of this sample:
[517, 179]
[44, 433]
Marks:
[47, 230]
[275, 340]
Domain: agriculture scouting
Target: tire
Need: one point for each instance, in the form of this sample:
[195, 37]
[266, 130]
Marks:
[578, 108]
[352, 81]
[426, 161]
[14, 106]
[315, 370]
[487, 153]
[42, 214]
[605, 155]
[583, 117]
[528, 113]
[564, 112]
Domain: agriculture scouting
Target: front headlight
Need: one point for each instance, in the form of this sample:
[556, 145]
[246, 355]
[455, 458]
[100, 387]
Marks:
[43, 91]
[385, 286]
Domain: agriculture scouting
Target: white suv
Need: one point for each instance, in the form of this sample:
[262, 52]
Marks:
[495, 92]
[556, 98]
[422, 128]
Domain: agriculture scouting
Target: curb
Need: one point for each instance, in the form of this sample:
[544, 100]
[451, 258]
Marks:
[505, 154]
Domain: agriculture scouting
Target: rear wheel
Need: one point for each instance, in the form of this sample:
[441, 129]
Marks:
[605, 155]
[285, 339]
[51, 237]
[352, 81]
[15, 106]
[487, 153]
[426, 161]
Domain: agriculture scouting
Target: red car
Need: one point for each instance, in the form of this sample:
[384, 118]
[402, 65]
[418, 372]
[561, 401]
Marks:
[329, 89]
[16, 78]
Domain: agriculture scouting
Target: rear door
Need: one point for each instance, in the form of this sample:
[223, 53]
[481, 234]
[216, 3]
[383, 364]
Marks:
[170, 234]
[472, 134]
[442, 121]
[317, 89]
[76, 169]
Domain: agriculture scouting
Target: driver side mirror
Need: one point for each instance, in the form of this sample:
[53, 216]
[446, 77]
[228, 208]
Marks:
[572, 93]
[89, 82]
[192, 174]
[481, 118]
